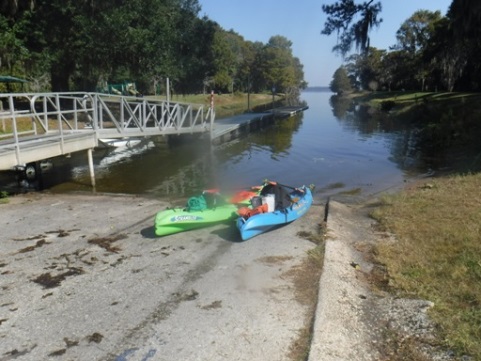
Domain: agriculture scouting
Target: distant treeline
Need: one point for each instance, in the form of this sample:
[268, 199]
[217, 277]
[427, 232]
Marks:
[317, 89]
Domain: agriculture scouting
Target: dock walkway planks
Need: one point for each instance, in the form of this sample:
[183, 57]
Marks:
[228, 128]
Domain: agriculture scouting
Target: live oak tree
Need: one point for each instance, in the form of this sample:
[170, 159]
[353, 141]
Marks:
[280, 71]
[432, 51]
[464, 32]
[370, 69]
[341, 83]
[12, 48]
[352, 23]
[81, 42]
[413, 37]
[416, 31]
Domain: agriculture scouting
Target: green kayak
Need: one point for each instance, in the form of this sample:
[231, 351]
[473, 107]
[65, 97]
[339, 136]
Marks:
[205, 210]
[180, 219]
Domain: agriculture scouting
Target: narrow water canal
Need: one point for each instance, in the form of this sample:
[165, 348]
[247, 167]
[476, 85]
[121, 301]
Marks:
[327, 145]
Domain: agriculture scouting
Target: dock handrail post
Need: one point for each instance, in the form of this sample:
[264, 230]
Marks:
[59, 120]
[11, 105]
[95, 113]
[212, 115]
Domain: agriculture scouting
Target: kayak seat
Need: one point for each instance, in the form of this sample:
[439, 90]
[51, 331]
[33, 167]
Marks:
[282, 197]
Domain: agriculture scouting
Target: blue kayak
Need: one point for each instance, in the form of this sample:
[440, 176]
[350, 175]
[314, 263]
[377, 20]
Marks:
[288, 207]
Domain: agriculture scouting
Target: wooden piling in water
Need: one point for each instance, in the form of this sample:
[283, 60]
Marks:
[91, 167]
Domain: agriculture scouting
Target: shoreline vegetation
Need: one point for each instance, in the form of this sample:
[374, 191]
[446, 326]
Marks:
[436, 224]
[231, 104]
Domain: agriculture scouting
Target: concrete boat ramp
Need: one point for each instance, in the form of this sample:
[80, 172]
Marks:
[76, 288]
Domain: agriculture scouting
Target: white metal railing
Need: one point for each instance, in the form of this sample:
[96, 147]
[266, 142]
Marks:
[38, 114]
[73, 111]
[144, 114]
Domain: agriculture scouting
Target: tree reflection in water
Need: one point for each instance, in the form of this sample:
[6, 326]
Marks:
[428, 136]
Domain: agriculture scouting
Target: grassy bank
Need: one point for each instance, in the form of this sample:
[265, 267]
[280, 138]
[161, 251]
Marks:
[403, 102]
[436, 254]
[229, 104]
[437, 224]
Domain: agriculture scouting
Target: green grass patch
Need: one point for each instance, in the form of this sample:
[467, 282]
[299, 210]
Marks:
[4, 197]
[437, 254]
[443, 100]
[226, 104]
[23, 124]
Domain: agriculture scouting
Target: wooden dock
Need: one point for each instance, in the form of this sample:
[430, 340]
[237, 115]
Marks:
[131, 118]
[226, 129]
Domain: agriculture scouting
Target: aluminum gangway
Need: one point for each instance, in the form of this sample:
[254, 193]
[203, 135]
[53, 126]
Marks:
[38, 126]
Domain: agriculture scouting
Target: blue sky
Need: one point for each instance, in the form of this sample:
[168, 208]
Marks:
[301, 22]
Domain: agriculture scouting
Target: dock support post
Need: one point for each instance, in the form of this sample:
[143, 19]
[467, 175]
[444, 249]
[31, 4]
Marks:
[91, 167]
[212, 115]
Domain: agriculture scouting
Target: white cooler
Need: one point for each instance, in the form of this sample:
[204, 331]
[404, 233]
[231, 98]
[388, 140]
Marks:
[270, 200]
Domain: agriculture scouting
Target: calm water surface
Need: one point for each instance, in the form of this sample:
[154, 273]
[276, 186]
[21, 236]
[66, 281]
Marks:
[340, 153]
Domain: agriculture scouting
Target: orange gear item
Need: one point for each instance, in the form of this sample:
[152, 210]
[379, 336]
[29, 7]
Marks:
[244, 212]
[242, 196]
[247, 212]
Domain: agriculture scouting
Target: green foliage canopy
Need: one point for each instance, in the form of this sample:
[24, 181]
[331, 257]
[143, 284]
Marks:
[341, 83]
[352, 23]
[82, 45]
[432, 52]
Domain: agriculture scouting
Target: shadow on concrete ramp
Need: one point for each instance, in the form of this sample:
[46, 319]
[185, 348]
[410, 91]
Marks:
[149, 232]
